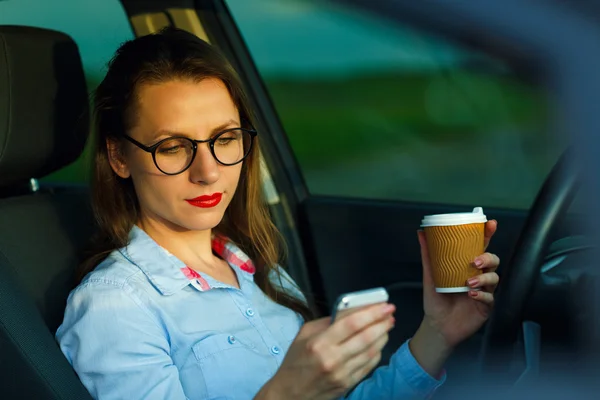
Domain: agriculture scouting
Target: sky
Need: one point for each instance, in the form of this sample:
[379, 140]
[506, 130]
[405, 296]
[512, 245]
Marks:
[285, 37]
[297, 36]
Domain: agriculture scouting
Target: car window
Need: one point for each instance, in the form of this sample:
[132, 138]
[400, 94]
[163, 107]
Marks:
[98, 28]
[377, 111]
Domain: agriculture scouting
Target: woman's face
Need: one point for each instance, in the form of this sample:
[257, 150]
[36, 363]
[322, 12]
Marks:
[198, 110]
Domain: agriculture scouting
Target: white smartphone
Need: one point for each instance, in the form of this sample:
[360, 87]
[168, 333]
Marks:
[352, 301]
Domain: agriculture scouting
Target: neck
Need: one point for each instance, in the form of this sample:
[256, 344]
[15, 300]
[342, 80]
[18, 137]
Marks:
[192, 247]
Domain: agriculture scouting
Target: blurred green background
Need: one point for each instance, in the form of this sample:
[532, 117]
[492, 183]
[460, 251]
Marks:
[371, 110]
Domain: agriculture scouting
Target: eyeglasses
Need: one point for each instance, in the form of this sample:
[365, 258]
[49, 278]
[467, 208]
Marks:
[174, 155]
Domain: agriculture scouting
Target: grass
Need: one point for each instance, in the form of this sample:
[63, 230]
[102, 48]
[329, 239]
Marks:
[330, 122]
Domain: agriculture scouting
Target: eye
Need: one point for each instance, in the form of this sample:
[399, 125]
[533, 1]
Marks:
[169, 150]
[228, 137]
[173, 147]
[224, 141]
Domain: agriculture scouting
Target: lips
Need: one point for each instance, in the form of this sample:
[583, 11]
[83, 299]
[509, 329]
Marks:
[206, 201]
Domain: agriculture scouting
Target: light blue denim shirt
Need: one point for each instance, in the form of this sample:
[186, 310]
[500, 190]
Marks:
[144, 326]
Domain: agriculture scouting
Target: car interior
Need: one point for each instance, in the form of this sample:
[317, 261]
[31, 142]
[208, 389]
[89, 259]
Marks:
[336, 243]
[45, 117]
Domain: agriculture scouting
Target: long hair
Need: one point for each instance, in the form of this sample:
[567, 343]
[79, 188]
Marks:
[167, 55]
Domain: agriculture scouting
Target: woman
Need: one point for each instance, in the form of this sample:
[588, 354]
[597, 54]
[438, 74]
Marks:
[183, 297]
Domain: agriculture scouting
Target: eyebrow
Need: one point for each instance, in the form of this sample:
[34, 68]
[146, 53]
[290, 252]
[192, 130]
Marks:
[213, 131]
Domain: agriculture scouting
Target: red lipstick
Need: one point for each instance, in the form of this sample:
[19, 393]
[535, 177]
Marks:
[206, 201]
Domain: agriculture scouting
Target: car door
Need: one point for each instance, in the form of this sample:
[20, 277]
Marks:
[382, 124]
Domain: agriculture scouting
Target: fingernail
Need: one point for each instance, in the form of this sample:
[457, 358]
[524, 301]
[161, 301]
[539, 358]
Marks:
[478, 262]
[388, 308]
[473, 282]
[472, 293]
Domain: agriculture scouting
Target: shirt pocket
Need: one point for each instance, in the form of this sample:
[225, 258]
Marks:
[232, 368]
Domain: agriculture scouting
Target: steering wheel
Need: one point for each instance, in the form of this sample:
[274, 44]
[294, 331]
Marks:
[520, 274]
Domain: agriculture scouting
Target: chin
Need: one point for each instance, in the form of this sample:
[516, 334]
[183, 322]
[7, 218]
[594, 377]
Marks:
[201, 222]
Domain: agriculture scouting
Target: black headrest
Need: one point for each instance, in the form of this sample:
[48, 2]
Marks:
[44, 108]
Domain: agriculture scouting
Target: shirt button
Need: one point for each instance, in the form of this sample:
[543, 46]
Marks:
[275, 350]
[231, 339]
[250, 312]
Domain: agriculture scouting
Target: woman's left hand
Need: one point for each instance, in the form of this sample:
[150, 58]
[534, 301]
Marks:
[456, 317]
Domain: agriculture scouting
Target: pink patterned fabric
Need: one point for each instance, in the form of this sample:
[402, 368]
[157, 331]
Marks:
[232, 254]
[229, 252]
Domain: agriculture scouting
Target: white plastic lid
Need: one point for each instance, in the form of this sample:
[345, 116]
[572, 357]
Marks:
[477, 216]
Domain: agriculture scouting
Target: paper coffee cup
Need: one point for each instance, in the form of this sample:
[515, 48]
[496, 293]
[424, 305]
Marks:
[454, 240]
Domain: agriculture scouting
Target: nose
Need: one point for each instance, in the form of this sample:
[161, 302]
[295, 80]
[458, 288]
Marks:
[204, 169]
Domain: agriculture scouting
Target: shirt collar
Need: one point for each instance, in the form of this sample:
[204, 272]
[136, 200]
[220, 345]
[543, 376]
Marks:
[169, 274]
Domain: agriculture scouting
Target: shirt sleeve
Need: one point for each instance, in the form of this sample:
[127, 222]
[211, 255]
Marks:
[118, 349]
[402, 379]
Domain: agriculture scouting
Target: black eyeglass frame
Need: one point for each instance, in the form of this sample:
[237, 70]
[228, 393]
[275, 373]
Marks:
[211, 144]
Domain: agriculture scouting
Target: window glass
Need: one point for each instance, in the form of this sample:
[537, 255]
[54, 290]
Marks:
[98, 28]
[380, 111]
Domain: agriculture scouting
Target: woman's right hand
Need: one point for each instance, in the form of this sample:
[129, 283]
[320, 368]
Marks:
[326, 360]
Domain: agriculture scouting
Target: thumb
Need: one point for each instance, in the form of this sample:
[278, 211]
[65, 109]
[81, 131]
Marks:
[428, 284]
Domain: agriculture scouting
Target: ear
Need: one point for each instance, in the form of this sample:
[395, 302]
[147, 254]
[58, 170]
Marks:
[116, 159]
